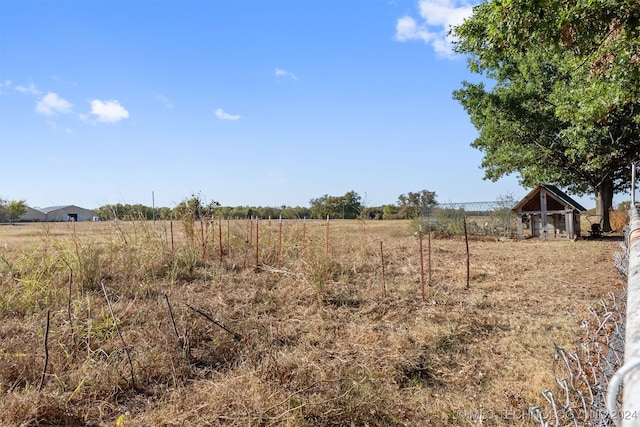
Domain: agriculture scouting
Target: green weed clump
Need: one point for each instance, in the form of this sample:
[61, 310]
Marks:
[28, 283]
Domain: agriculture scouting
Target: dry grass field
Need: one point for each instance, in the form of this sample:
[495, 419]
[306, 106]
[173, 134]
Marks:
[298, 331]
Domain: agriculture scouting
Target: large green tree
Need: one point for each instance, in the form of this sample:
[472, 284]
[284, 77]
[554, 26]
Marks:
[560, 99]
[348, 206]
[414, 204]
[12, 210]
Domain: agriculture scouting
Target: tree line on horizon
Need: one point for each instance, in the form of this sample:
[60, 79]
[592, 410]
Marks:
[348, 206]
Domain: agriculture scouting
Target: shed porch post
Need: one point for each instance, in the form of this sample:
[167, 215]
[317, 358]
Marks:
[543, 213]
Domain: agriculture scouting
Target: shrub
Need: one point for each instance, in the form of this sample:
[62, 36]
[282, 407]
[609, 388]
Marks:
[618, 218]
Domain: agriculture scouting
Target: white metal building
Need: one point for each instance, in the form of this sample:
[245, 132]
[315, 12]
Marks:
[33, 215]
[59, 213]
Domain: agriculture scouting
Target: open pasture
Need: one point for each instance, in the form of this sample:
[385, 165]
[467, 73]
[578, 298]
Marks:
[299, 323]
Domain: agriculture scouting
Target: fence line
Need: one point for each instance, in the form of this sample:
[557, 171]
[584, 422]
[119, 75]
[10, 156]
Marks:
[629, 373]
[589, 379]
[492, 218]
[582, 376]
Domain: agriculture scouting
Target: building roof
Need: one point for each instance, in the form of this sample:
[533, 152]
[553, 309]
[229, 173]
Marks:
[558, 194]
[564, 196]
[55, 208]
[50, 209]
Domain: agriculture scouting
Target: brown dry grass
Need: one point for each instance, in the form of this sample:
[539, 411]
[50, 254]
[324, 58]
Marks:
[325, 340]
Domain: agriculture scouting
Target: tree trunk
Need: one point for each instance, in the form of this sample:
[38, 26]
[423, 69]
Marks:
[604, 202]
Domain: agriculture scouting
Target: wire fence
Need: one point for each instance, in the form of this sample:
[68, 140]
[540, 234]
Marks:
[492, 219]
[584, 375]
[629, 372]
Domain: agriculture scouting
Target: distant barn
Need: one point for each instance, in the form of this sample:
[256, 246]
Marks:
[59, 213]
[548, 213]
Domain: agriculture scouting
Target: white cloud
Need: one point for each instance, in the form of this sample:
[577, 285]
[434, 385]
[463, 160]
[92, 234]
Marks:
[407, 29]
[55, 128]
[226, 116]
[28, 89]
[279, 72]
[437, 18]
[164, 100]
[51, 104]
[109, 111]
[5, 84]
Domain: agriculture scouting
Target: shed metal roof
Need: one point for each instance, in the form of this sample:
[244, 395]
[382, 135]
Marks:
[555, 191]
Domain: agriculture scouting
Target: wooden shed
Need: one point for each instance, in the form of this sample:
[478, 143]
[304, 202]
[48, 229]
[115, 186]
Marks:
[548, 213]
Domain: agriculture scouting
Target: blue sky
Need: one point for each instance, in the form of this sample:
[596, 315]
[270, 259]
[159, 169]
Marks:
[261, 103]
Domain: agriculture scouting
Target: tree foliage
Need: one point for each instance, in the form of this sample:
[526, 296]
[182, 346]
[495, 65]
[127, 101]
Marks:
[12, 210]
[563, 103]
[390, 211]
[348, 206]
[132, 212]
[195, 208]
[412, 205]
